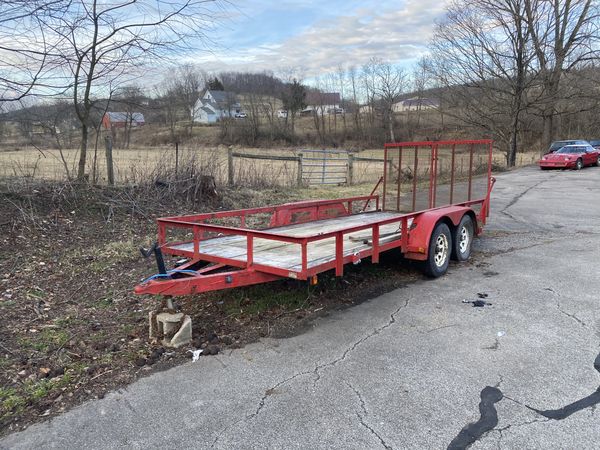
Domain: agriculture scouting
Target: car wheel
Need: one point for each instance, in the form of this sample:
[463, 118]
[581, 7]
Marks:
[462, 239]
[440, 248]
[579, 164]
[597, 162]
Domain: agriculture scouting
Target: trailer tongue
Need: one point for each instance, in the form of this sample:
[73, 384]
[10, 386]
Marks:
[435, 199]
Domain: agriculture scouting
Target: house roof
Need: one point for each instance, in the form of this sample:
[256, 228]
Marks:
[123, 117]
[222, 96]
[323, 98]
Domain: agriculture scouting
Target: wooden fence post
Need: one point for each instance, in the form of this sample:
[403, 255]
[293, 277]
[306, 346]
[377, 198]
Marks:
[110, 173]
[230, 166]
[350, 168]
[300, 174]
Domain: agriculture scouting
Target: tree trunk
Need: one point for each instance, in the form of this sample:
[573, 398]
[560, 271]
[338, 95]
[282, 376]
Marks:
[547, 131]
[511, 157]
[82, 152]
[391, 124]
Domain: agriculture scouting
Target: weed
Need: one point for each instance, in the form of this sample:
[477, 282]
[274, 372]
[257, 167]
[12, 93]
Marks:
[66, 322]
[7, 303]
[38, 389]
[12, 402]
[105, 303]
[36, 292]
[48, 338]
[261, 298]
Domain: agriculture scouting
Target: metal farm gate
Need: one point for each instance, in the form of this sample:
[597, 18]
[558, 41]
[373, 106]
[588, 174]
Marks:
[324, 167]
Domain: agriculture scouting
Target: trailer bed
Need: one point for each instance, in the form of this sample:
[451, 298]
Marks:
[287, 256]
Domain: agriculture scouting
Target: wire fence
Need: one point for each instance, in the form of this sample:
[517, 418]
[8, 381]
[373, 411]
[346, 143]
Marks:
[250, 167]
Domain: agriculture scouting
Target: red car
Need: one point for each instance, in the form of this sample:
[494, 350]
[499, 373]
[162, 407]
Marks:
[570, 157]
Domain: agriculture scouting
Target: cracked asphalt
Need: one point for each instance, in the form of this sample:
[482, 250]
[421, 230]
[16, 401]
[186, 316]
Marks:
[410, 368]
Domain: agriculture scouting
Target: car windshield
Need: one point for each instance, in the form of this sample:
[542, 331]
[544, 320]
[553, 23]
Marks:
[559, 144]
[572, 149]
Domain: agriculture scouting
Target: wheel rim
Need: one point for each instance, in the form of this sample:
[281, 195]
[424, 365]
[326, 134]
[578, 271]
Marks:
[464, 239]
[579, 164]
[441, 250]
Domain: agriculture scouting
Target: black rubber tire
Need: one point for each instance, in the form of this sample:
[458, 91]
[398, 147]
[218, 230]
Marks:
[597, 162]
[467, 223]
[432, 268]
[579, 164]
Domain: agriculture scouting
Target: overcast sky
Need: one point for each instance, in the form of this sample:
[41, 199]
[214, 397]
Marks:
[316, 36]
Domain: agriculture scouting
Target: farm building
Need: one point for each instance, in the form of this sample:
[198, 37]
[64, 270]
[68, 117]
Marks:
[415, 103]
[122, 119]
[322, 102]
[214, 105]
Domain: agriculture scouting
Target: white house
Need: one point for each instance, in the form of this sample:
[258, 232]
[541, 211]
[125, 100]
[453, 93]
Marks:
[322, 103]
[415, 103]
[215, 105]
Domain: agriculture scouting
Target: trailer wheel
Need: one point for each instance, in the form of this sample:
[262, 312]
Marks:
[462, 239]
[440, 248]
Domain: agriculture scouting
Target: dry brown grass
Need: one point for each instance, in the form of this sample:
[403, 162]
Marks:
[136, 165]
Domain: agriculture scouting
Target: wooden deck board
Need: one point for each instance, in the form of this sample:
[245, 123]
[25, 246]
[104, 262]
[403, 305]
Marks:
[287, 255]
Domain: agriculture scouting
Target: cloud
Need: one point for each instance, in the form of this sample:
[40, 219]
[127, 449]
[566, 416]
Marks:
[393, 31]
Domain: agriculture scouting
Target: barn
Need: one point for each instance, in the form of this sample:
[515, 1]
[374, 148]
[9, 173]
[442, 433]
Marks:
[122, 119]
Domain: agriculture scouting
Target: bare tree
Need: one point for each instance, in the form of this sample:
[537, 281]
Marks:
[481, 55]
[187, 84]
[565, 36]
[26, 51]
[130, 98]
[341, 78]
[421, 79]
[107, 42]
[353, 77]
[389, 82]
[168, 104]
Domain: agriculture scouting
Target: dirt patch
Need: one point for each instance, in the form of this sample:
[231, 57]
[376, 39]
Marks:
[73, 330]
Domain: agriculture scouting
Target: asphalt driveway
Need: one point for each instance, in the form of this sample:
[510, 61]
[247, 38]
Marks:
[414, 368]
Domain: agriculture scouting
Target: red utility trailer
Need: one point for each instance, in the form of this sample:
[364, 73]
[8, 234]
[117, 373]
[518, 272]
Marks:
[435, 199]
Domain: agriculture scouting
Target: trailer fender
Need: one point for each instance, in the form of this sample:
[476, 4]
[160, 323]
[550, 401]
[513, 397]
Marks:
[423, 225]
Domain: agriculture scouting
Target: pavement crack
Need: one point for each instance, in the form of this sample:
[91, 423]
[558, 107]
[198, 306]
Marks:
[516, 249]
[520, 424]
[439, 328]
[572, 316]
[260, 406]
[317, 370]
[271, 391]
[562, 311]
[519, 196]
[364, 414]
[225, 430]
